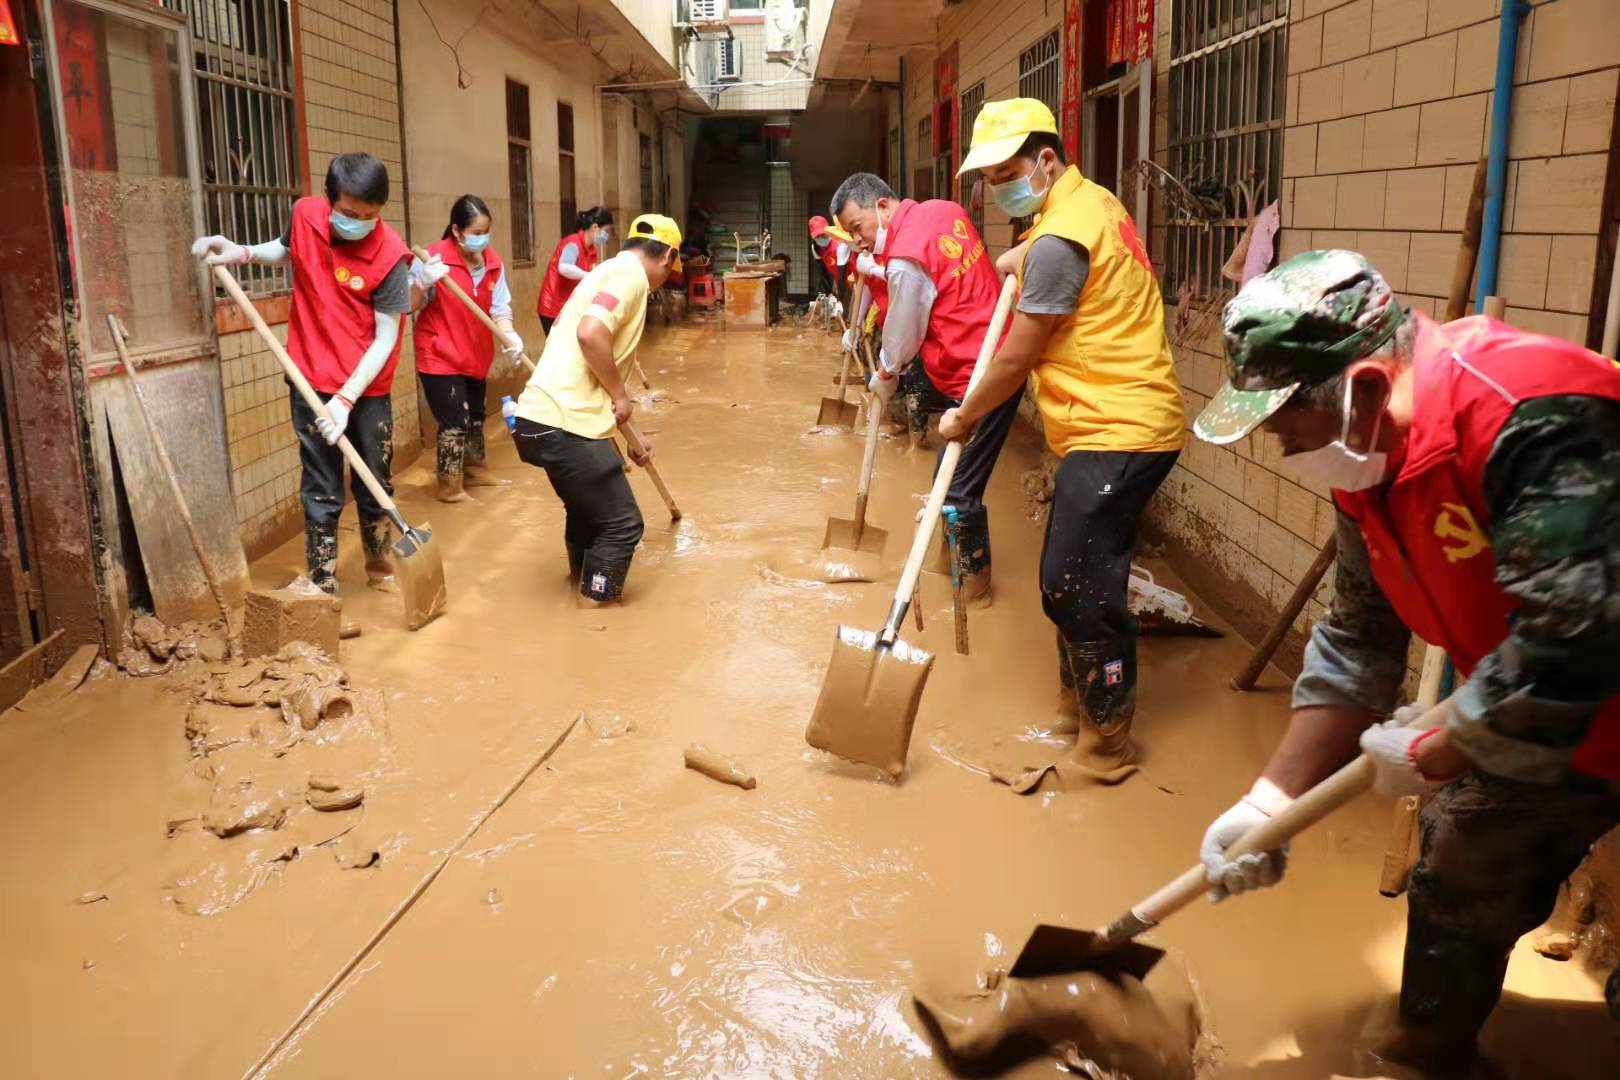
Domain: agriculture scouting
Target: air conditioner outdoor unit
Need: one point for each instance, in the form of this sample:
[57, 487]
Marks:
[708, 16]
[730, 60]
[784, 28]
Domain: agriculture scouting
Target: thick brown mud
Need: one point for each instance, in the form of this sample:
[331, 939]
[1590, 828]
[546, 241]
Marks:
[620, 916]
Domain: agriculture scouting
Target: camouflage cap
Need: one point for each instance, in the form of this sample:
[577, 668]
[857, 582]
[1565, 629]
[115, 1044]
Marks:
[1301, 323]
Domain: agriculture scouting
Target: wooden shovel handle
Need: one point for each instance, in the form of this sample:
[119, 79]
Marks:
[472, 305]
[632, 435]
[869, 458]
[301, 384]
[947, 466]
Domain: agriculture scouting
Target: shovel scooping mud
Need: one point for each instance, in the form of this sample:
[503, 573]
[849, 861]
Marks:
[854, 534]
[840, 411]
[418, 565]
[868, 702]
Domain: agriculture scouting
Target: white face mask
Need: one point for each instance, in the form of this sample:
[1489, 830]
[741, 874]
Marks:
[881, 240]
[1338, 466]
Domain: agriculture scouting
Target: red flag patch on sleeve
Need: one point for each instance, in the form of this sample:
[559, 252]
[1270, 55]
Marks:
[606, 301]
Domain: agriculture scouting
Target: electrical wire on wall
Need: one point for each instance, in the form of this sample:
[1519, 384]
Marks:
[464, 78]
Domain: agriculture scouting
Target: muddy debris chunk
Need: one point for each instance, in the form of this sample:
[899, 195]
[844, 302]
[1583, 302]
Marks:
[94, 896]
[242, 808]
[273, 618]
[330, 801]
[1556, 946]
[700, 758]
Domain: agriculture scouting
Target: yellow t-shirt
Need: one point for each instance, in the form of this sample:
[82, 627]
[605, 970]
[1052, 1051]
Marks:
[562, 392]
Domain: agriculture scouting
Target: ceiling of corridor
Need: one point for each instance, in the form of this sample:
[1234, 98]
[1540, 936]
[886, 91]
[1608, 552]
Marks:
[866, 38]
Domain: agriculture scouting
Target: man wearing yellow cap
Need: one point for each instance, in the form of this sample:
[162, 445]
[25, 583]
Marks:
[1089, 336]
[577, 396]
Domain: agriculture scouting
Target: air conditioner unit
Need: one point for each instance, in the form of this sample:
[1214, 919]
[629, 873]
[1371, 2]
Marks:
[730, 52]
[784, 28]
[707, 16]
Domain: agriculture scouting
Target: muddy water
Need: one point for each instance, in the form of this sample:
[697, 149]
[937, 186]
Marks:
[624, 915]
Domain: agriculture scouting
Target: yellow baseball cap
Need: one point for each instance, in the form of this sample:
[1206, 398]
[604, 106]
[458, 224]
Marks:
[1002, 127]
[660, 228]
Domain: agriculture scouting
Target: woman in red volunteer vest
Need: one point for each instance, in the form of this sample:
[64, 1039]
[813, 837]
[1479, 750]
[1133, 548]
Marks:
[1476, 473]
[454, 347]
[935, 283]
[577, 255]
[352, 283]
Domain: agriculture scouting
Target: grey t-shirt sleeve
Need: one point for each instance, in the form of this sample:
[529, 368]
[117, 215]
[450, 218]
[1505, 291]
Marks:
[393, 296]
[1055, 271]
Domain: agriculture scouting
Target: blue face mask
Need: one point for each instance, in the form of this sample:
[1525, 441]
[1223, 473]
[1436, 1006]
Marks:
[1017, 198]
[475, 241]
[349, 228]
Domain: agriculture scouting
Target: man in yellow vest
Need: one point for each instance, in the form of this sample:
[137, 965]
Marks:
[1088, 335]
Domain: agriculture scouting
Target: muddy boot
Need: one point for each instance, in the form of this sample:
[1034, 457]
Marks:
[476, 468]
[602, 583]
[1066, 717]
[973, 547]
[576, 562]
[374, 536]
[451, 463]
[320, 554]
[1104, 677]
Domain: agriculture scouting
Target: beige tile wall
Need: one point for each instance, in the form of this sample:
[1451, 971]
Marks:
[351, 103]
[1388, 112]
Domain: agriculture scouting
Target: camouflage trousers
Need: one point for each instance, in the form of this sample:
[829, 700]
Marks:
[1494, 854]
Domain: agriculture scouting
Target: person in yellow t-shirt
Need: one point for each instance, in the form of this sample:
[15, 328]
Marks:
[1088, 335]
[577, 396]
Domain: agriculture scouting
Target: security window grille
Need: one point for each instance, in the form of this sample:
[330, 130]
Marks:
[247, 123]
[646, 174]
[1228, 83]
[565, 167]
[972, 103]
[520, 171]
[1040, 72]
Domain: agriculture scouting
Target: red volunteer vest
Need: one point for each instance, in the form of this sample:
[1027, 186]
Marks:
[829, 259]
[450, 340]
[556, 289]
[937, 236]
[1426, 531]
[332, 323]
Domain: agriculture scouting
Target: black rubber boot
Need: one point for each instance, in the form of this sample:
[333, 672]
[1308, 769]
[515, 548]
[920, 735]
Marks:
[1104, 680]
[576, 562]
[477, 469]
[374, 537]
[452, 448]
[1450, 983]
[973, 555]
[320, 554]
[602, 582]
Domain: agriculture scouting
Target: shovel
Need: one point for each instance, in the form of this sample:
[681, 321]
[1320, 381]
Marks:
[417, 563]
[868, 702]
[632, 436]
[854, 534]
[1058, 949]
[838, 412]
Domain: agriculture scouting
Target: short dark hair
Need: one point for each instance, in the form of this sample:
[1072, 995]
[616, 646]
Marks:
[1043, 140]
[654, 248]
[599, 216]
[863, 189]
[359, 176]
[463, 212]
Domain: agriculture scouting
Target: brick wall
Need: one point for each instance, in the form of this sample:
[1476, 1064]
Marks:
[1388, 112]
[350, 103]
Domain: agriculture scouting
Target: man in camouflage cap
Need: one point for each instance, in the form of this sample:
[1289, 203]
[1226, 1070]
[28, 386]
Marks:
[1476, 472]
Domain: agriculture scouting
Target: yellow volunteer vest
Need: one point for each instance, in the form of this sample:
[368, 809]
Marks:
[1107, 380]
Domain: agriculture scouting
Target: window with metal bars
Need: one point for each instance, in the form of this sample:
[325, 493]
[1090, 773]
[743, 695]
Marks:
[247, 120]
[1040, 72]
[972, 104]
[565, 167]
[1228, 84]
[647, 206]
[520, 172]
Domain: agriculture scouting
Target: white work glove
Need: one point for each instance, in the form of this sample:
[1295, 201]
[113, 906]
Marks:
[869, 266]
[219, 251]
[1228, 877]
[511, 344]
[850, 339]
[336, 421]
[1392, 746]
[425, 275]
[882, 384]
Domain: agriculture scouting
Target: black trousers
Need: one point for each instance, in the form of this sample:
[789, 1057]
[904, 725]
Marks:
[547, 322]
[371, 431]
[457, 405]
[603, 523]
[977, 462]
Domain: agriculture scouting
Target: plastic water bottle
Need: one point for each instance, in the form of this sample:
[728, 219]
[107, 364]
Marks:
[509, 412]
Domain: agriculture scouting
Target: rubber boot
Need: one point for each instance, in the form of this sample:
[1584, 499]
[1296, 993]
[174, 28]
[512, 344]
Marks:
[576, 562]
[1066, 717]
[973, 547]
[1450, 983]
[374, 536]
[601, 583]
[476, 468]
[1103, 676]
[451, 464]
[320, 553]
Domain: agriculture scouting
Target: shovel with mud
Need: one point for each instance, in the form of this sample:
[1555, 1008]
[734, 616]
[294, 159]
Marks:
[840, 411]
[868, 702]
[418, 566]
[854, 534]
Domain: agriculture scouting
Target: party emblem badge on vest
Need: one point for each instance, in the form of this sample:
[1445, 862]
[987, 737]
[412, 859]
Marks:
[1456, 522]
[342, 275]
[949, 248]
[959, 229]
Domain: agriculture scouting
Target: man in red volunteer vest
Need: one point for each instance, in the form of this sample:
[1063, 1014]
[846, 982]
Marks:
[938, 291]
[352, 283]
[1476, 473]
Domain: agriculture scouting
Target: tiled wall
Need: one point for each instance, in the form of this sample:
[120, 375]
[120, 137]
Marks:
[1388, 112]
[351, 103]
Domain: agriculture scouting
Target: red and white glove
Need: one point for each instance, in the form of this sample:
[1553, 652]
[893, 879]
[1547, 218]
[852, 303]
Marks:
[883, 384]
[1393, 748]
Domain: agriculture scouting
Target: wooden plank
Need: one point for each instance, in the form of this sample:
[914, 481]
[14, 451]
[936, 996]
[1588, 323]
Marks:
[31, 668]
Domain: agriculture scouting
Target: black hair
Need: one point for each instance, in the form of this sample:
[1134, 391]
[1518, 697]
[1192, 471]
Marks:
[600, 216]
[863, 189]
[359, 176]
[1043, 140]
[655, 249]
[463, 212]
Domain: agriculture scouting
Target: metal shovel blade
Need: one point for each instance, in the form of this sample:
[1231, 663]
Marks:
[836, 412]
[868, 703]
[841, 535]
[419, 570]
[1058, 950]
